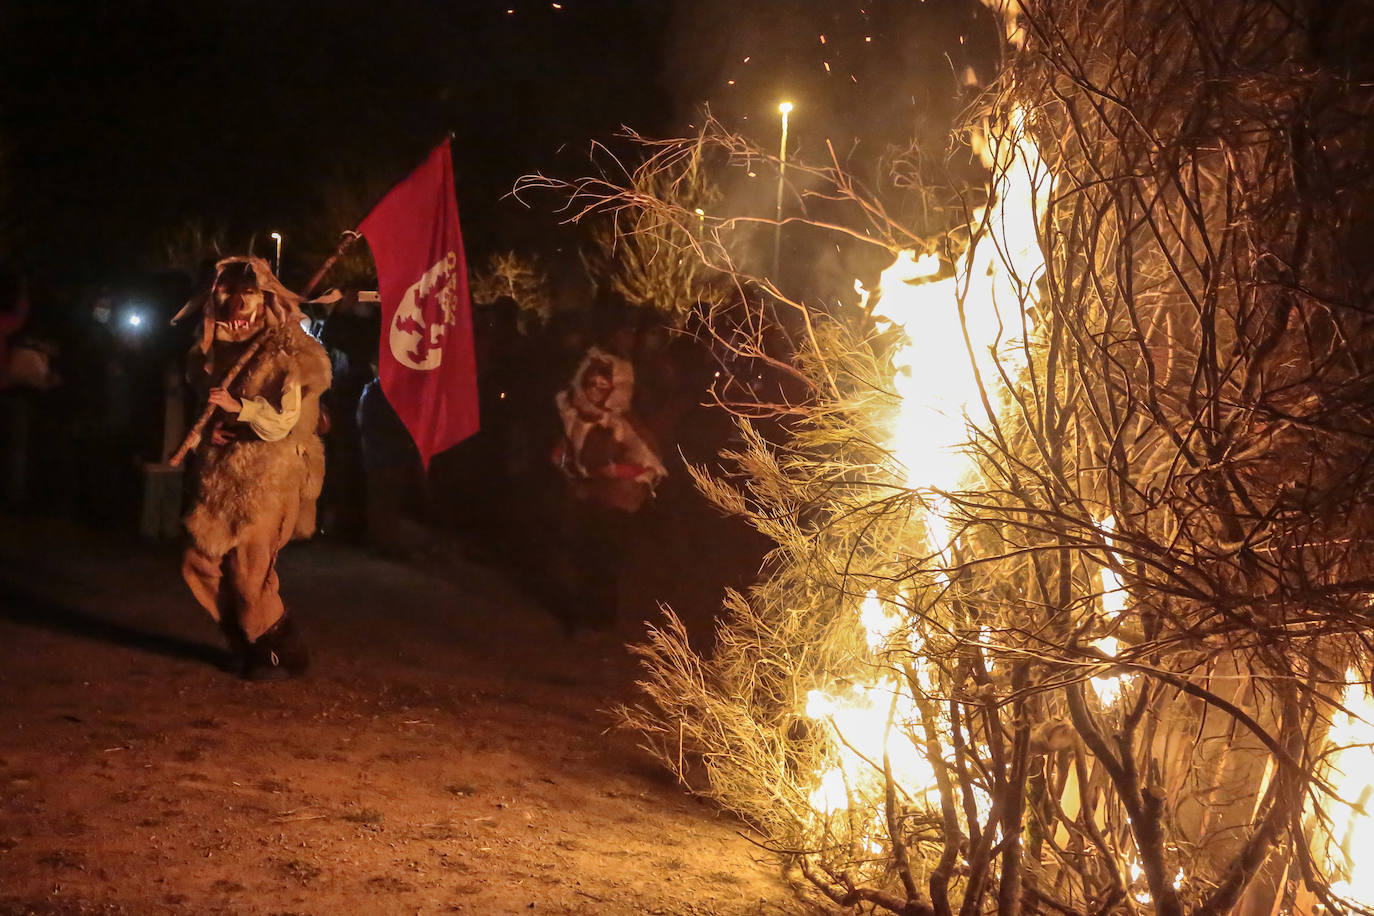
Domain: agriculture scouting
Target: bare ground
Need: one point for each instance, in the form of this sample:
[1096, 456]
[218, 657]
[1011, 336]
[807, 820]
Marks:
[449, 752]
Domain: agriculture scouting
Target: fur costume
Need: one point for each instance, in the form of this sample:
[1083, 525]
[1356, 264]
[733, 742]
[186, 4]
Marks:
[253, 494]
[249, 478]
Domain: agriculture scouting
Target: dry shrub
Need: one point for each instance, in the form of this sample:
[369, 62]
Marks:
[1166, 492]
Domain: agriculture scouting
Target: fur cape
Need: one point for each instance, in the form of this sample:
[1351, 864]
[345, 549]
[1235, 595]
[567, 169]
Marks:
[249, 482]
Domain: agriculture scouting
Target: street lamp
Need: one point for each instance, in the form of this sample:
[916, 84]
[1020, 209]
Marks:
[784, 109]
[276, 267]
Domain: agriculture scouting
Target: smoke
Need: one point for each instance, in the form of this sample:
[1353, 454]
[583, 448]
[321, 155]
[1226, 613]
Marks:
[870, 81]
[867, 77]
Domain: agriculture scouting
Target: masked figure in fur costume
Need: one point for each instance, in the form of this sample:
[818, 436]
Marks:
[263, 466]
[610, 468]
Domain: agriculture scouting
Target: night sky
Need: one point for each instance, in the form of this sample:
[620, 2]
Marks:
[125, 121]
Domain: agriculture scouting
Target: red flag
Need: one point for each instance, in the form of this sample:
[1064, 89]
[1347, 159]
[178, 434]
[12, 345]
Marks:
[426, 361]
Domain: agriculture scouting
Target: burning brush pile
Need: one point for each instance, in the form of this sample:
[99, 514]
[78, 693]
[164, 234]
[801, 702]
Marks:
[1071, 601]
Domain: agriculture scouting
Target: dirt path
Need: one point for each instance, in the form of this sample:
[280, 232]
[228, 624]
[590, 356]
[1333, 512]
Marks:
[448, 753]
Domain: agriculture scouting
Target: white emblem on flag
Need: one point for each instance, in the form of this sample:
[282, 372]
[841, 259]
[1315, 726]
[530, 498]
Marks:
[427, 310]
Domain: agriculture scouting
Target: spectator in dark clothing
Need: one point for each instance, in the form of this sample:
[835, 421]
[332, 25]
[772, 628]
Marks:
[26, 372]
[481, 467]
[350, 336]
[394, 475]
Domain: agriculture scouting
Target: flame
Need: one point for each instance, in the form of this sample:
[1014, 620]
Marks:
[1352, 776]
[966, 337]
[962, 333]
[1140, 893]
[1108, 689]
[1113, 591]
[1114, 603]
[863, 719]
[880, 621]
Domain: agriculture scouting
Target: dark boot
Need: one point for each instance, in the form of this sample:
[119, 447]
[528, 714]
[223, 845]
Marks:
[277, 654]
[238, 646]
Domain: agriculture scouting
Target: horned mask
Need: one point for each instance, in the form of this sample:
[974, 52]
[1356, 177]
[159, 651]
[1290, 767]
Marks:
[245, 298]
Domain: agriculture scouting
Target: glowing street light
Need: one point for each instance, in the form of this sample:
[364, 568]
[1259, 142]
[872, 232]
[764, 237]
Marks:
[784, 109]
[276, 266]
[701, 221]
[133, 319]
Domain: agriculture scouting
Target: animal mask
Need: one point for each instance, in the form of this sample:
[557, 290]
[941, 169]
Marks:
[245, 298]
[238, 303]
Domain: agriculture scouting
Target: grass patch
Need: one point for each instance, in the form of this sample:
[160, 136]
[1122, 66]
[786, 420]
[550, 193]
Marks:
[365, 816]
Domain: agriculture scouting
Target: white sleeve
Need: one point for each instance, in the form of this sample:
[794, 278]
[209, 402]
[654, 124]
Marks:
[268, 422]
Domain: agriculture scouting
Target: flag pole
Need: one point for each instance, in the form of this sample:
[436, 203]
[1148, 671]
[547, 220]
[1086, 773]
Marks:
[345, 242]
[193, 437]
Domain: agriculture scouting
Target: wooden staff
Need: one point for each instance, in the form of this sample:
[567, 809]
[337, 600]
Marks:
[193, 437]
[348, 238]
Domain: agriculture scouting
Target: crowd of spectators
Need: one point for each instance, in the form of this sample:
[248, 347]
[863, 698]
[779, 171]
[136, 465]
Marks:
[91, 415]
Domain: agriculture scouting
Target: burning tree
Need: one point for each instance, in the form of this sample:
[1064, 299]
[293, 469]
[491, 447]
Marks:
[1070, 607]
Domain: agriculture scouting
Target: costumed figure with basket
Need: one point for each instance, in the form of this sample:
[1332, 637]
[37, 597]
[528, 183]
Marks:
[610, 470]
